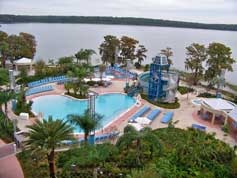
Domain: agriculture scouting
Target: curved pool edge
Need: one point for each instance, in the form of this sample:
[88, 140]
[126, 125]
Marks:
[104, 93]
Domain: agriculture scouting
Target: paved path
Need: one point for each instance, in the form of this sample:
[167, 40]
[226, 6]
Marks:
[10, 167]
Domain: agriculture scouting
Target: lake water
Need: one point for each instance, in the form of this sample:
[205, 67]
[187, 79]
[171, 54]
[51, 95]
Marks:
[57, 40]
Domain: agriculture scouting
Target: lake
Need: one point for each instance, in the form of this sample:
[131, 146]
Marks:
[57, 40]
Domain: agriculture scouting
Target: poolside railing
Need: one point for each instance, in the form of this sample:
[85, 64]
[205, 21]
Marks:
[39, 90]
[47, 80]
[123, 71]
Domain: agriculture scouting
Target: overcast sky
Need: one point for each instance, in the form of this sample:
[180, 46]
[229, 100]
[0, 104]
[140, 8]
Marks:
[209, 11]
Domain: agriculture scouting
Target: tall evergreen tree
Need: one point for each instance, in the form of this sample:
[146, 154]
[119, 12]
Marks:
[219, 59]
[196, 55]
[128, 48]
[109, 49]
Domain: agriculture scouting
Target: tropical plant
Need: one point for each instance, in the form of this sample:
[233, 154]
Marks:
[196, 55]
[39, 67]
[84, 55]
[86, 122]
[51, 61]
[45, 136]
[22, 105]
[128, 49]
[4, 47]
[67, 87]
[23, 72]
[6, 128]
[5, 97]
[168, 53]
[14, 47]
[136, 143]
[4, 78]
[219, 59]
[64, 61]
[109, 49]
[102, 69]
[141, 54]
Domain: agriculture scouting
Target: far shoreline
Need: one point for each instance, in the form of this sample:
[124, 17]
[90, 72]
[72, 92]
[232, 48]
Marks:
[106, 20]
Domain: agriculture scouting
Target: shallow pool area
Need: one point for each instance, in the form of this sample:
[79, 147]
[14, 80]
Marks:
[197, 102]
[58, 106]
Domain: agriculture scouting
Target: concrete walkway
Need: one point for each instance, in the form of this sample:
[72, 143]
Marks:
[10, 167]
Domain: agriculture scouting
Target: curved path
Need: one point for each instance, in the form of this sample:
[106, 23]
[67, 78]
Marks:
[10, 167]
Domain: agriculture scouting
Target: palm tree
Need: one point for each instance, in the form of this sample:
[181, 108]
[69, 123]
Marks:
[80, 55]
[84, 54]
[143, 139]
[45, 136]
[4, 78]
[102, 69]
[168, 53]
[88, 54]
[6, 96]
[141, 54]
[86, 122]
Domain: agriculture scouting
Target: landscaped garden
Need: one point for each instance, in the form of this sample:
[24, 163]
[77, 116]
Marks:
[165, 152]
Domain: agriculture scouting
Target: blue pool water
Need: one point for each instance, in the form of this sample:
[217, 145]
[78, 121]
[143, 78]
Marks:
[57, 106]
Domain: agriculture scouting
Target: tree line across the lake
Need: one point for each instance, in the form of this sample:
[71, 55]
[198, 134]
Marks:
[113, 20]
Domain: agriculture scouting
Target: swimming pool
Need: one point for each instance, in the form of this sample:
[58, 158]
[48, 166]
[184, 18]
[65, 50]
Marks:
[57, 106]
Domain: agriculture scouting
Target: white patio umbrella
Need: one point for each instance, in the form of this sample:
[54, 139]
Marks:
[143, 120]
[96, 79]
[137, 126]
[106, 79]
[86, 79]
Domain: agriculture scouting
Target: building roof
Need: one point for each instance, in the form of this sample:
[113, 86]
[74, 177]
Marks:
[219, 104]
[23, 60]
[233, 114]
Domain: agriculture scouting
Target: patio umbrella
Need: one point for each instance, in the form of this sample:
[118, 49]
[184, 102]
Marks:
[106, 79]
[86, 79]
[96, 79]
[137, 126]
[143, 120]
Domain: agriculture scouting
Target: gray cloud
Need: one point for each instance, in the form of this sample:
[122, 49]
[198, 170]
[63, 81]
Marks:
[214, 11]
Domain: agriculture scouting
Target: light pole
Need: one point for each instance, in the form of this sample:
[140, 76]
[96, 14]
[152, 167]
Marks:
[91, 109]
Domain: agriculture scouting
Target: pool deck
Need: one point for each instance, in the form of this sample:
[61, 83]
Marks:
[184, 115]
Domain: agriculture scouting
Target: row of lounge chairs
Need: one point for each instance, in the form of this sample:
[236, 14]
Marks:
[122, 71]
[102, 137]
[39, 90]
[47, 80]
[140, 113]
[152, 115]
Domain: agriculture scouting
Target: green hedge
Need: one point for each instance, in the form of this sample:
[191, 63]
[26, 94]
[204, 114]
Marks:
[76, 96]
[206, 95]
[183, 90]
[174, 105]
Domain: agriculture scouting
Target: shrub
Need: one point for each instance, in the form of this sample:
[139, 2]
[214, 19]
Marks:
[206, 95]
[137, 65]
[183, 90]
[174, 105]
[6, 128]
[146, 68]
